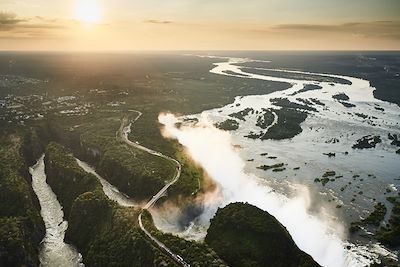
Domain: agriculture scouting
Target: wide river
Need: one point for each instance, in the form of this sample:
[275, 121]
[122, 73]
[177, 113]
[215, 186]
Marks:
[341, 110]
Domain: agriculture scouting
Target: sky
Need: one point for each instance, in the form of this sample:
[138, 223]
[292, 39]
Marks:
[128, 25]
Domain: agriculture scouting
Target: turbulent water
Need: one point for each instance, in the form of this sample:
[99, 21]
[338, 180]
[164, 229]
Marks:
[340, 111]
[54, 251]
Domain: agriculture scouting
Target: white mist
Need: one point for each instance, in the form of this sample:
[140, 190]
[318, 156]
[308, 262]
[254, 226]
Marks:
[212, 149]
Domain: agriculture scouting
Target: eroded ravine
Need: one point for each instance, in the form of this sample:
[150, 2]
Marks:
[122, 134]
[114, 194]
[53, 251]
[111, 191]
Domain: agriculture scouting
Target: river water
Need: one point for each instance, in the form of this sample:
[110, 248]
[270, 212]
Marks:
[316, 216]
[53, 251]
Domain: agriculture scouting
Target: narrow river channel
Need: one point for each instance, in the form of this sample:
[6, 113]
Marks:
[53, 251]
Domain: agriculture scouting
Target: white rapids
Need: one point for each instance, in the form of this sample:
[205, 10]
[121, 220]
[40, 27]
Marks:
[54, 251]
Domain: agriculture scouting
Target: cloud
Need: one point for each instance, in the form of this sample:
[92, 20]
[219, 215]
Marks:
[13, 27]
[154, 21]
[8, 20]
[380, 29]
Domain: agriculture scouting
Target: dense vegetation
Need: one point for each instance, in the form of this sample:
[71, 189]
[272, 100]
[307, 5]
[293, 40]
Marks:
[388, 234]
[391, 235]
[288, 125]
[367, 141]
[274, 166]
[287, 104]
[109, 87]
[136, 173]
[373, 219]
[194, 253]
[306, 88]
[21, 227]
[290, 116]
[105, 234]
[266, 119]
[33, 147]
[244, 235]
[66, 178]
[192, 178]
[108, 235]
[228, 125]
[151, 84]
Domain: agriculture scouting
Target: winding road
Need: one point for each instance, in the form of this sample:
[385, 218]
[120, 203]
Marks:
[122, 134]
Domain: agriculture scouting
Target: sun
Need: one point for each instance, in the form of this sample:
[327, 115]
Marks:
[88, 11]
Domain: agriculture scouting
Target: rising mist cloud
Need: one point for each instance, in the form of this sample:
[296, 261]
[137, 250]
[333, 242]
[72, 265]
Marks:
[212, 148]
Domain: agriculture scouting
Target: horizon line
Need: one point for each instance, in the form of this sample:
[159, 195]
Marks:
[197, 50]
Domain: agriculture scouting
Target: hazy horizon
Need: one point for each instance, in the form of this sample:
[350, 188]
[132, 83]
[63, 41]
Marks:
[99, 25]
[145, 51]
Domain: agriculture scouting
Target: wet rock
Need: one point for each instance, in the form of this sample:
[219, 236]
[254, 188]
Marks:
[253, 135]
[395, 139]
[242, 114]
[279, 169]
[329, 174]
[347, 104]
[361, 115]
[316, 101]
[267, 167]
[341, 96]
[366, 142]
[332, 141]
[305, 101]
[285, 103]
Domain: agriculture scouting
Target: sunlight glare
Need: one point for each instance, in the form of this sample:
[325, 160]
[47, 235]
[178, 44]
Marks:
[88, 11]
